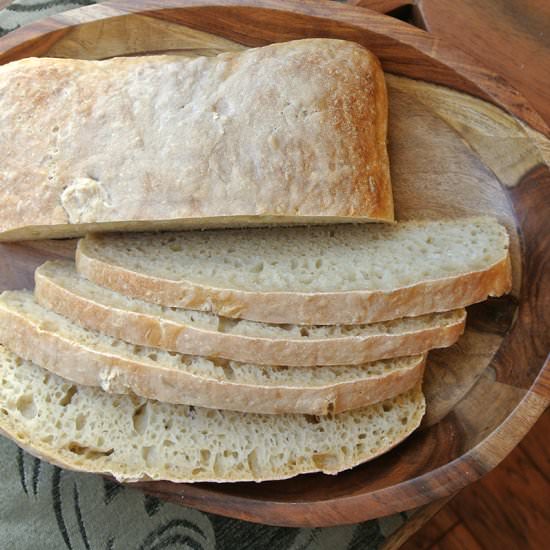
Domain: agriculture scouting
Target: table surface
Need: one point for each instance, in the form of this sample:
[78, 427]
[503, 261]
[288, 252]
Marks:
[63, 504]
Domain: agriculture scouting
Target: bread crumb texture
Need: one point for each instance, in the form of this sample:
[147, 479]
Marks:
[133, 438]
[310, 259]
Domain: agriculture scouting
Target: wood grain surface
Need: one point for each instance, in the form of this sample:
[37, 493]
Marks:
[452, 154]
[382, 6]
[507, 509]
[510, 37]
[418, 518]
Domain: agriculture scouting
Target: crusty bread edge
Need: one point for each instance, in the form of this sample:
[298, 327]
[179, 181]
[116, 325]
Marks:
[151, 330]
[326, 308]
[116, 374]
[385, 210]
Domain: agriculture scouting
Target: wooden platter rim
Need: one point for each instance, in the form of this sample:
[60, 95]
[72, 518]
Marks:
[447, 478]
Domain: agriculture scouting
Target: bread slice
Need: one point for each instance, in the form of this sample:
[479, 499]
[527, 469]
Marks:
[287, 133]
[323, 275]
[93, 359]
[60, 289]
[133, 439]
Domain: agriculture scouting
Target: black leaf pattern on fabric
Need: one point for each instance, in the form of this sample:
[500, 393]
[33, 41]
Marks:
[160, 538]
[4, 31]
[185, 540]
[152, 505]
[56, 502]
[111, 489]
[36, 475]
[80, 521]
[232, 534]
[47, 5]
[21, 469]
[367, 535]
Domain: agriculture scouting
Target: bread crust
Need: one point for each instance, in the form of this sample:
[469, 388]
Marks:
[323, 308]
[288, 133]
[40, 344]
[152, 330]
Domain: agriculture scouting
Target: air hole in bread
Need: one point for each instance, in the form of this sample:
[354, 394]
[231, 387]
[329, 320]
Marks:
[68, 397]
[253, 463]
[325, 461]
[149, 454]
[217, 468]
[80, 422]
[88, 452]
[140, 418]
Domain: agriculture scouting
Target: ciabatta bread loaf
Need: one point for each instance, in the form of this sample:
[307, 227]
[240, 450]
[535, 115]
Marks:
[60, 289]
[323, 275]
[287, 133]
[132, 438]
[90, 358]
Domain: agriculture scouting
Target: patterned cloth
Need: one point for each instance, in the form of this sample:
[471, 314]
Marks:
[46, 508]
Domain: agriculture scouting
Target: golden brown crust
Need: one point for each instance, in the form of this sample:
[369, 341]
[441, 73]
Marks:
[324, 308]
[150, 330]
[116, 374]
[289, 132]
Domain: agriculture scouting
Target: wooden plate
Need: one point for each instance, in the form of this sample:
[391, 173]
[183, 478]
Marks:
[462, 142]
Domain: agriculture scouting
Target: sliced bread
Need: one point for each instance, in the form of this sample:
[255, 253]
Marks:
[60, 289]
[132, 438]
[92, 359]
[286, 133]
[323, 275]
